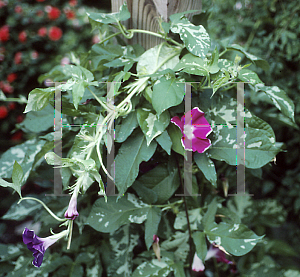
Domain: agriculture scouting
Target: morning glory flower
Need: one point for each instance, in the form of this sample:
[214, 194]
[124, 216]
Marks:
[39, 245]
[156, 247]
[213, 252]
[194, 132]
[71, 212]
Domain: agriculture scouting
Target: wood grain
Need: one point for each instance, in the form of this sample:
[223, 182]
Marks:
[145, 15]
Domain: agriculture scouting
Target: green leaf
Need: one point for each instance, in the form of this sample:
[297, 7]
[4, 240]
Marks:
[151, 225]
[256, 60]
[220, 83]
[165, 142]
[195, 218]
[122, 242]
[107, 18]
[153, 268]
[24, 154]
[193, 65]
[208, 219]
[178, 244]
[178, 269]
[108, 216]
[132, 152]
[247, 75]
[213, 64]
[158, 58]
[200, 243]
[195, 38]
[279, 98]
[38, 99]
[39, 121]
[176, 135]
[151, 124]
[207, 167]
[77, 92]
[16, 187]
[168, 89]
[260, 147]
[236, 239]
[17, 176]
[22, 210]
[160, 180]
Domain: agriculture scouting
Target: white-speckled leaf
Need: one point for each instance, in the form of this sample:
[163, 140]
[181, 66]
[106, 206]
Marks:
[107, 18]
[122, 242]
[158, 58]
[237, 239]
[153, 268]
[260, 147]
[206, 165]
[108, 217]
[24, 154]
[195, 38]
[151, 124]
[193, 65]
[279, 98]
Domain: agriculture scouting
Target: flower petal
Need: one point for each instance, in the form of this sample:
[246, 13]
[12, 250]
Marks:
[197, 264]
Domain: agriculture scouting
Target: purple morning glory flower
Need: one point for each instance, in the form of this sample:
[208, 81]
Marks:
[194, 132]
[213, 252]
[71, 212]
[38, 245]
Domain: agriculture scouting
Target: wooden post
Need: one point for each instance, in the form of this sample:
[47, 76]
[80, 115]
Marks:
[145, 15]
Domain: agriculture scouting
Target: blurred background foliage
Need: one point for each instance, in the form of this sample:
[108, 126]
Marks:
[269, 29]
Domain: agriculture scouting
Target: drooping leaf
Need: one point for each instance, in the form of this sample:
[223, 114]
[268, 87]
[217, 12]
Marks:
[200, 243]
[207, 167]
[132, 152]
[168, 89]
[153, 268]
[256, 60]
[279, 98]
[164, 141]
[151, 225]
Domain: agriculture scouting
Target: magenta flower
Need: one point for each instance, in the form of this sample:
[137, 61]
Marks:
[71, 212]
[38, 245]
[213, 252]
[195, 130]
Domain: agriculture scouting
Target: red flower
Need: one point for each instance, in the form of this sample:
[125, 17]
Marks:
[4, 33]
[6, 87]
[18, 9]
[40, 0]
[18, 58]
[55, 33]
[73, 3]
[3, 112]
[22, 36]
[53, 13]
[70, 14]
[11, 77]
[42, 31]
[2, 4]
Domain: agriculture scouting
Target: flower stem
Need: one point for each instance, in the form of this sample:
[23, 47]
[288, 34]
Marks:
[44, 205]
[70, 228]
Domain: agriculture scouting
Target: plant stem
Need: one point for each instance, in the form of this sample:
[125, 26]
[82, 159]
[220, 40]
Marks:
[187, 217]
[44, 205]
